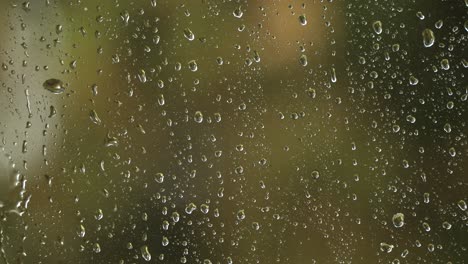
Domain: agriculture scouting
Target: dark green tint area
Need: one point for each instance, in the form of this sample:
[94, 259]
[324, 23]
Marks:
[168, 131]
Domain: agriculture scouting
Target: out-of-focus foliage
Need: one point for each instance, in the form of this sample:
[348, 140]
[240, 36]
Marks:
[204, 131]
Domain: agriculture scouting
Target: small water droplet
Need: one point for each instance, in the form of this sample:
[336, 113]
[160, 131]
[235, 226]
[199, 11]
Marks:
[447, 128]
[241, 215]
[426, 226]
[204, 208]
[315, 175]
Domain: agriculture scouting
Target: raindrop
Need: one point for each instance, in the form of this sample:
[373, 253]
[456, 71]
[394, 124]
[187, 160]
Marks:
[204, 208]
[315, 174]
[398, 220]
[413, 80]
[238, 12]
[193, 65]
[81, 231]
[190, 208]
[198, 117]
[94, 117]
[303, 60]
[189, 34]
[446, 225]
[159, 177]
[444, 64]
[387, 248]
[411, 119]
[447, 128]
[462, 205]
[303, 20]
[377, 26]
[426, 226]
[54, 85]
[428, 38]
[241, 215]
[145, 253]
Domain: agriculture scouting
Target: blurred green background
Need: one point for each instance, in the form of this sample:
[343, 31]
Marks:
[289, 142]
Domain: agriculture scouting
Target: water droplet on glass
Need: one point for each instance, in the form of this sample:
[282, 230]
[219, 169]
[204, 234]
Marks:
[145, 253]
[238, 12]
[387, 248]
[426, 226]
[398, 220]
[165, 241]
[446, 225]
[193, 65]
[377, 26]
[333, 75]
[190, 208]
[303, 20]
[315, 174]
[142, 76]
[447, 128]
[444, 64]
[189, 34]
[54, 85]
[97, 248]
[452, 152]
[413, 80]
[303, 60]
[241, 215]
[159, 177]
[81, 231]
[198, 117]
[462, 205]
[411, 119]
[428, 38]
[94, 117]
[204, 208]
[420, 15]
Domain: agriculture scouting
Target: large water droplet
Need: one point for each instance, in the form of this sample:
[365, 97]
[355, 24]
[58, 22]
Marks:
[145, 253]
[428, 38]
[238, 12]
[377, 26]
[193, 65]
[303, 60]
[198, 117]
[398, 220]
[54, 85]
[303, 20]
[189, 34]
